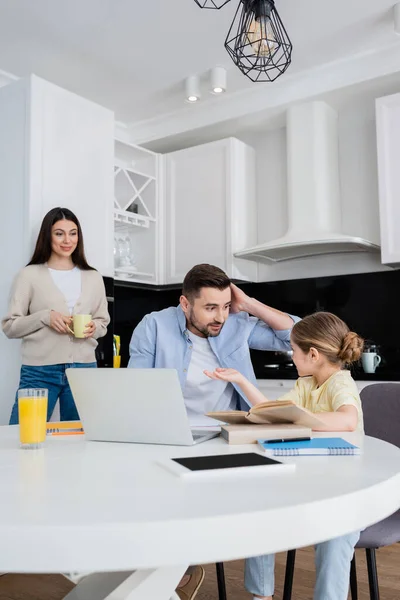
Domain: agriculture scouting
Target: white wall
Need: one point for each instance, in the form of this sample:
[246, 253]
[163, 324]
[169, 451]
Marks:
[359, 195]
[14, 230]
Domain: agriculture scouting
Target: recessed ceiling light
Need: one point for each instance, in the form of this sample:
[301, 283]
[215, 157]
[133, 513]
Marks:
[192, 89]
[218, 80]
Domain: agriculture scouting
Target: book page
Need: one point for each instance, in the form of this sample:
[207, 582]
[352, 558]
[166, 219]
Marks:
[229, 416]
[272, 404]
[290, 413]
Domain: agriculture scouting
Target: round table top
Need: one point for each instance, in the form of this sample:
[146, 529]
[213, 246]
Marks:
[90, 506]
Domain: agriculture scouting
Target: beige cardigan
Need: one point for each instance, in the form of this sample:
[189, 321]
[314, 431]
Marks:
[34, 295]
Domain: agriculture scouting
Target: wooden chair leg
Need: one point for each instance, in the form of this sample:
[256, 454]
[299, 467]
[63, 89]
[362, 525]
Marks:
[289, 573]
[353, 579]
[372, 574]
[221, 581]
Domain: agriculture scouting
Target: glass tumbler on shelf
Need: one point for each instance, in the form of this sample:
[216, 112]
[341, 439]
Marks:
[117, 252]
[32, 414]
[125, 260]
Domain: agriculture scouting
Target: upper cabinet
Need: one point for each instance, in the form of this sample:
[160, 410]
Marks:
[210, 208]
[388, 143]
[138, 234]
[65, 157]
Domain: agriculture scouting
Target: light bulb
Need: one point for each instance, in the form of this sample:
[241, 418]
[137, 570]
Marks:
[192, 89]
[218, 80]
[261, 37]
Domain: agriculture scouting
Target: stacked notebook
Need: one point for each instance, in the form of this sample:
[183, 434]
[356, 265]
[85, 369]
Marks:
[64, 428]
[313, 447]
[249, 433]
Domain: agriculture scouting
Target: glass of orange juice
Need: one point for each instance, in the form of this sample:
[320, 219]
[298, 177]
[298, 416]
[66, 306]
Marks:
[32, 413]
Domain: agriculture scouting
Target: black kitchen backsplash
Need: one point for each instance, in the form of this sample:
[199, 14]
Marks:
[104, 350]
[367, 302]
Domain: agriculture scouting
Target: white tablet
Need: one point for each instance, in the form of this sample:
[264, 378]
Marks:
[248, 463]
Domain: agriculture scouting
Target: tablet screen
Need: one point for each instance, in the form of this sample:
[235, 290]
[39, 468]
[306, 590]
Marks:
[225, 461]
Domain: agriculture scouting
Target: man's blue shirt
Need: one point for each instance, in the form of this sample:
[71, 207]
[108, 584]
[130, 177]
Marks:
[162, 341]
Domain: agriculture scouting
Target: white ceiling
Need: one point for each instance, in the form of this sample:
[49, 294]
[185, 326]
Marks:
[133, 55]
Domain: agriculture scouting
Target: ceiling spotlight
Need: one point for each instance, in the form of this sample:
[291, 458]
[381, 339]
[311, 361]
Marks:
[192, 89]
[218, 80]
[257, 41]
[211, 3]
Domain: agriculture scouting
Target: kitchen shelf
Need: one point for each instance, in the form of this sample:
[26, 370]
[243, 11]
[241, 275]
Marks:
[125, 166]
[137, 211]
[123, 219]
[120, 271]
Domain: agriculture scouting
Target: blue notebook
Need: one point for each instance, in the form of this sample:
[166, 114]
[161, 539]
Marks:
[316, 446]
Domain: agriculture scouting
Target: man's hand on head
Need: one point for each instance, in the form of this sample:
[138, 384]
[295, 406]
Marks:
[240, 300]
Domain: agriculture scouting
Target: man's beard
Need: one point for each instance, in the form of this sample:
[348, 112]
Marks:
[204, 329]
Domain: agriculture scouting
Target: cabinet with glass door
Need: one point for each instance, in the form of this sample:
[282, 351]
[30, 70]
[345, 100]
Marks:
[137, 215]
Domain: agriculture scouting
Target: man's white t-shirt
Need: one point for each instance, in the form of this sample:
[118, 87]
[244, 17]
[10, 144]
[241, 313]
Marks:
[69, 283]
[201, 393]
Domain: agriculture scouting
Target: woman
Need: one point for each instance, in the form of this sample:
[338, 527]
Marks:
[322, 346]
[56, 283]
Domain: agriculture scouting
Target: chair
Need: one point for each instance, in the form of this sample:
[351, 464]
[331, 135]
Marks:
[381, 408]
[221, 581]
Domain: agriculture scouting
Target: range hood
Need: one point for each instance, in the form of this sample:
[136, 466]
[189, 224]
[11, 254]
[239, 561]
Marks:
[314, 207]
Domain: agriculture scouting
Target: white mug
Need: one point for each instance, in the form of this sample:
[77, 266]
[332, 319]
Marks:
[370, 360]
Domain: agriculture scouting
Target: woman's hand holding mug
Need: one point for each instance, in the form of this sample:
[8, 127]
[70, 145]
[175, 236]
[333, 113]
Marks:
[59, 322]
[90, 329]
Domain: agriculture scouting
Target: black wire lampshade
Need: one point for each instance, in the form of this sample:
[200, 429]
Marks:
[257, 41]
[212, 3]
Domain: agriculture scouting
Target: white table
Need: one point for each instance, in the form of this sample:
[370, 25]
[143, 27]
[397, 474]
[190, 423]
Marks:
[79, 506]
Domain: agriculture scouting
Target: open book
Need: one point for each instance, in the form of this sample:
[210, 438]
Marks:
[272, 411]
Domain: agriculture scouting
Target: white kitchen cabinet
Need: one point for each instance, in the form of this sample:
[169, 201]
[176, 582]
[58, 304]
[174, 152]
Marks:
[56, 149]
[275, 388]
[388, 146]
[210, 208]
[66, 154]
[138, 227]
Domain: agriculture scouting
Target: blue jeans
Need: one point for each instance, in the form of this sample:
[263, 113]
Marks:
[332, 564]
[53, 378]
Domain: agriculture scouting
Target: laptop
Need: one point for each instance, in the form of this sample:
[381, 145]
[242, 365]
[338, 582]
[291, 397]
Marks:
[143, 406]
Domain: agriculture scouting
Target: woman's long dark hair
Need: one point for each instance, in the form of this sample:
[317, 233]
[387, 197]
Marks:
[43, 250]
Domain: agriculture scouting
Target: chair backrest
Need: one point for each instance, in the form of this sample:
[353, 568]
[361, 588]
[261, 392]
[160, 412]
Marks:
[381, 408]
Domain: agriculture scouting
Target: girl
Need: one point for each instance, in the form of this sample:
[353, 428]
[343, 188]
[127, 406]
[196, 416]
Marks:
[56, 283]
[322, 346]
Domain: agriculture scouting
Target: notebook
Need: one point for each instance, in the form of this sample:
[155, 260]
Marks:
[316, 446]
[64, 428]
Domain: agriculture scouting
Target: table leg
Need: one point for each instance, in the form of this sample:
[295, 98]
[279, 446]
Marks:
[157, 584]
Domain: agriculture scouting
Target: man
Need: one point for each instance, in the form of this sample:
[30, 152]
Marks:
[210, 328]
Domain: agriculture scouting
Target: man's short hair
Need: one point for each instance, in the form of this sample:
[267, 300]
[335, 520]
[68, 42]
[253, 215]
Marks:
[201, 276]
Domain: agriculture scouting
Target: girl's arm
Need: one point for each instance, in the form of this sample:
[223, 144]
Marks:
[253, 395]
[344, 419]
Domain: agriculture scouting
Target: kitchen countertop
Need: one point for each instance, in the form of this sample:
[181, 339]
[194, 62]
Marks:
[358, 374]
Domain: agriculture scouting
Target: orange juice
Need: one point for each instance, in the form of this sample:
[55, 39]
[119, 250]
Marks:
[32, 413]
